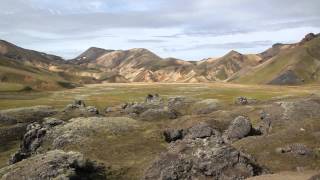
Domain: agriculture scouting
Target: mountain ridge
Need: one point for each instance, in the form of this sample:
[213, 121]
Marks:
[280, 65]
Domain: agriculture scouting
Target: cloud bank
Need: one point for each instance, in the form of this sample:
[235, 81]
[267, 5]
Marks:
[185, 29]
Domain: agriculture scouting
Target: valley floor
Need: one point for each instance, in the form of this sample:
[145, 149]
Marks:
[129, 143]
[109, 94]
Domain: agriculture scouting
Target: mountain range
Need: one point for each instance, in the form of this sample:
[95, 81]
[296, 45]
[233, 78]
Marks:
[282, 64]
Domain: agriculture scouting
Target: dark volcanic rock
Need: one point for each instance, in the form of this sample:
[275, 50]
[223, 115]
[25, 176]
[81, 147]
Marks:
[207, 158]
[238, 129]
[201, 130]
[33, 139]
[308, 37]
[287, 78]
[153, 99]
[55, 164]
[30, 143]
[171, 135]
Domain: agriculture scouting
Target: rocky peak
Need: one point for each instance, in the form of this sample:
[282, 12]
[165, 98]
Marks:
[308, 37]
[92, 53]
[233, 53]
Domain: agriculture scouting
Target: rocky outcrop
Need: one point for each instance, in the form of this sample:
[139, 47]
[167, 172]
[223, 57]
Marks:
[78, 109]
[201, 130]
[245, 101]
[79, 130]
[55, 164]
[203, 158]
[238, 129]
[307, 38]
[293, 110]
[295, 149]
[171, 135]
[33, 138]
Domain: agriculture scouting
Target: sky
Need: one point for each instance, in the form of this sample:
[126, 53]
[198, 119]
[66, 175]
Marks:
[185, 29]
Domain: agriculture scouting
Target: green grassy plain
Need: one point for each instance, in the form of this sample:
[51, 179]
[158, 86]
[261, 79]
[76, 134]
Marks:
[104, 95]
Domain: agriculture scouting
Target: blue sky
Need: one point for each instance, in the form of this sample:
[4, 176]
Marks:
[186, 29]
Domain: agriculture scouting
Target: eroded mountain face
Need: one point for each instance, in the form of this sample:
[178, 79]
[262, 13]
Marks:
[282, 64]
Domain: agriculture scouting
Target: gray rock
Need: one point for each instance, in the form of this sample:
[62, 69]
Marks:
[55, 164]
[241, 101]
[135, 108]
[202, 130]
[171, 135]
[264, 126]
[79, 103]
[51, 122]
[238, 129]
[30, 143]
[206, 158]
[245, 101]
[153, 99]
[296, 149]
[92, 110]
[78, 109]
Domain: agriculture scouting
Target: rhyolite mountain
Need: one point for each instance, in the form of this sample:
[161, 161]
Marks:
[287, 64]
[282, 64]
[37, 70]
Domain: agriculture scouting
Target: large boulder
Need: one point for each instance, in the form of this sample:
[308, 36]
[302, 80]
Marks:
[33, 138]
[55, 164]
[79, 130]
[207, 158]
[238, 129]
[171, 135]
[201, 130]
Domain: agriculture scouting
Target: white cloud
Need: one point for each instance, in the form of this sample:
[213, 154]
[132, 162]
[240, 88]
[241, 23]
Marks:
[64, 27]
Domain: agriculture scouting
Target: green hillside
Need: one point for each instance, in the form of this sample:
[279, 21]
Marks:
[298, 65]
